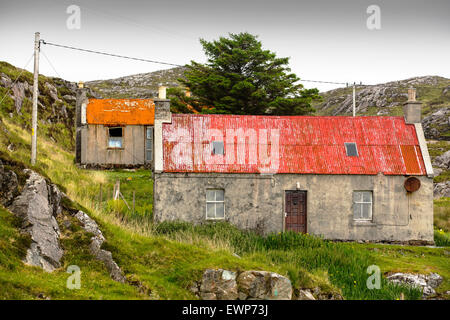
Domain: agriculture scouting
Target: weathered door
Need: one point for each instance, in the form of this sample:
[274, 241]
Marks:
[295, 211]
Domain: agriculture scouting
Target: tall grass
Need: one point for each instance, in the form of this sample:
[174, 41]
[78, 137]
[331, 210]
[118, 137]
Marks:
[346, 264]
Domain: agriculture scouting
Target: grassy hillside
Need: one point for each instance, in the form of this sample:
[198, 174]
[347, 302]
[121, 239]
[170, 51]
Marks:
[166, 259]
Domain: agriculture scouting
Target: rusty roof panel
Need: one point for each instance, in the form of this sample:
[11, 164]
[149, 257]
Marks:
[291, 144]
[120, 111]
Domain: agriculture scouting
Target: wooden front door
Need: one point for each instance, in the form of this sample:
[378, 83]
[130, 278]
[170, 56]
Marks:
[295, 209]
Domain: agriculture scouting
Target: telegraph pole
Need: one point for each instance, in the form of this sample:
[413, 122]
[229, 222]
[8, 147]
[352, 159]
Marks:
[35, 98]
[354, 99]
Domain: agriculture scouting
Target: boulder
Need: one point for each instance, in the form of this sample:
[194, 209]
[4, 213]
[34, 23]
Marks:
[427, 283]
[264, 285]
[36, 210]
[218, 285]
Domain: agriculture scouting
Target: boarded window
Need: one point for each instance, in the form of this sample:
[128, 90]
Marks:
[115, 137]
[362, 205]
[217, 147]
[350, 148]
[215, 204]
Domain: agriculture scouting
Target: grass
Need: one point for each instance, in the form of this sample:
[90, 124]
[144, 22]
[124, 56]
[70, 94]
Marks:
[166, 259]
[18, 281]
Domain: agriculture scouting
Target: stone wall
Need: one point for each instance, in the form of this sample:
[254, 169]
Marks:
[254, 201]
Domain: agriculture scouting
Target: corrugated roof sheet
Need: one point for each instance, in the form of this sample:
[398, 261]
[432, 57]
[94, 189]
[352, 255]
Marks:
[120, 111]
[291, 144]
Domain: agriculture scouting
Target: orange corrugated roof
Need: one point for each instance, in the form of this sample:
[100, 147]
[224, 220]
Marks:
[120, 111]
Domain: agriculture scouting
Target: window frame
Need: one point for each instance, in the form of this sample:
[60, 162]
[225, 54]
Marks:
[214, 202]
[356, 148]
[361, 205]
[121, 138]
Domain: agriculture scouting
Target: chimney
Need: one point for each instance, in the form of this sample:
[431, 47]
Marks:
[162, 115]
[412, 109]
[162, 105]
[80, 84]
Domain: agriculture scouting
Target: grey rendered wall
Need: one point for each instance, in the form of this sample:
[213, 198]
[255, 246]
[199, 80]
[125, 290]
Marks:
[257, 202]
[95, 146]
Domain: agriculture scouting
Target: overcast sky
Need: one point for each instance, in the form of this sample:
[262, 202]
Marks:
[325, 40]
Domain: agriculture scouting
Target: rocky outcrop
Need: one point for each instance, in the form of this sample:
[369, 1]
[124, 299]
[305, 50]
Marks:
[95, 247]
[442, 161]
[8, 185]
[437, 123]
[441, 189]
[248, 285]
[427, 283]
[37, 206]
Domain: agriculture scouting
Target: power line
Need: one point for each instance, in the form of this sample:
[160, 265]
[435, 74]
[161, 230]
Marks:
[4, 96]
[110, 54]
[319, 81]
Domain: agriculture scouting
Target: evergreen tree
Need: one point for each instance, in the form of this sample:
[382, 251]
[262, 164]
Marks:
[240, 77]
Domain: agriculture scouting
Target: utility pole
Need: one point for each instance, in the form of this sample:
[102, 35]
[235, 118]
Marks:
[354, 99]
[35, 98]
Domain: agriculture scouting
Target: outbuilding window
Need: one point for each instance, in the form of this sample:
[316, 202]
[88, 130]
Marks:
[362, 205]
[115, 137]
[215, 206]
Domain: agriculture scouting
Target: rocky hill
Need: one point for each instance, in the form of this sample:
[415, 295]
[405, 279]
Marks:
[142, 85]
[387, 99]
[56, 104]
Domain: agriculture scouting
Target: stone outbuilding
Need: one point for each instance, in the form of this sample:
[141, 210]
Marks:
[343, 178]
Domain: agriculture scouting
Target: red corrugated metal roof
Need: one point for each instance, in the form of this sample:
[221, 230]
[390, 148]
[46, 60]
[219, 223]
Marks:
[120, 111]
[291, 144]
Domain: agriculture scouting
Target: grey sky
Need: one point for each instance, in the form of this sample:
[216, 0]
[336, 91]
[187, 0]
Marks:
[326, 40]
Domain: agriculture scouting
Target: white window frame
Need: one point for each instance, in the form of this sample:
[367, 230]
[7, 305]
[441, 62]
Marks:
[360, 204]
[121, 138]
[215, 207]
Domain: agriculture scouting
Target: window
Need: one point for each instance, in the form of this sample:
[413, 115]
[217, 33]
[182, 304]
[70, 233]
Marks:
[115, 137]
[217, 147]
[362, 205]
[350, 148]
[215, 207]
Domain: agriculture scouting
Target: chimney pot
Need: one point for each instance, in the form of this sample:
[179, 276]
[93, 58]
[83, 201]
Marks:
[162, 92]
[411, 94]
[80, 84]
